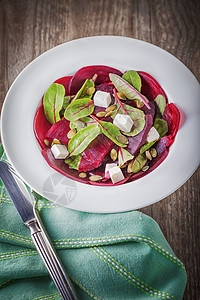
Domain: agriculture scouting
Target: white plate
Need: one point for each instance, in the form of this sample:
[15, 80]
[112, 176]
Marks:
[123, 53]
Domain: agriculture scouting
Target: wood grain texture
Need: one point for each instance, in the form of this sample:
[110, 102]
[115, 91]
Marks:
[28, 28]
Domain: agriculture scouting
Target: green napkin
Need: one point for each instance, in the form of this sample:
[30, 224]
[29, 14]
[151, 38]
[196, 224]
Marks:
[108, 256]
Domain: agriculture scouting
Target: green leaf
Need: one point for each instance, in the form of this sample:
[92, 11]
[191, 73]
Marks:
[161, 103]
[66, 101]
[82, 93]
[73, 161]
[82, 139]
[79, 109]
[137, 164]
[136, 115]
[128, 90]
[123, 156]
[134, 79]
[146, 146]
[161, 126]
[53, 102]
[111, 131]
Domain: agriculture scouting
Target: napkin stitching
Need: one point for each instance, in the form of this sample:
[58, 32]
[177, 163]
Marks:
[55, 295]
[119, 268]
[16, 237]
[16, 254]
[88, 242]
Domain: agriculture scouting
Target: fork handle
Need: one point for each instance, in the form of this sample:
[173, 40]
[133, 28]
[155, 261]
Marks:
[52, 263]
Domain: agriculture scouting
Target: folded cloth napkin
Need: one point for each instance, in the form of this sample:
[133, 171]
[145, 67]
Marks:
[108, 256]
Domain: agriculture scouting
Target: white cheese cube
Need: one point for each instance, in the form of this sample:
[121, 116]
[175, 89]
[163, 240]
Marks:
[116, 174]
[123, 122]
[59, 151]
[108, 167]
[102, 99]
[153, 135]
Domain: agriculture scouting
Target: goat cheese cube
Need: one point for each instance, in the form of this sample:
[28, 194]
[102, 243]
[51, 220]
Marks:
[108, 167]
[59, 151]
[102, 99]
[116, 174]
[123, 122]
[153, 135]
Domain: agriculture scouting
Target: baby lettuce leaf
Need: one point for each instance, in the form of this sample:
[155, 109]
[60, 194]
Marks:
[82, 93]
[134, 79]
[136, 115]
[123, 156]
[79, 109]
[161, 103]
[110, 130]
[128, 90]
[53, 102]
[73, 161]
[161, 126]
[146, 146]
[83, 138]
[137, 164]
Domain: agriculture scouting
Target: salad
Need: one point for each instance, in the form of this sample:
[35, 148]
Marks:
[104, 127]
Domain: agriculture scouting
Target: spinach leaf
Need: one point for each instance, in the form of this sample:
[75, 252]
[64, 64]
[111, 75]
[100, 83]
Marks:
[161, 103]
[128, 90]
[134, 79]
[137, 164]
[136, 115]
[53, 102]
[110, 130]
[82, 93]
[73, 161]
[146, 146]
[82, 139]
[161, 126]
[79, 109]
[123, 156]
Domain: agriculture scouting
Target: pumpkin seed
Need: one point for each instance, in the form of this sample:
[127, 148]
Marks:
[122, 139]
[56, 141]
[109, 113]
[139, 104]
[110, 108]
[95, 178]
[153, 152]
[47, 143]
[113, 154]
[129, 168]
[148, 155]
[90, 91]
[121, 96]
[101, 114]
[145, 168]
[71, 133]
[82, 175]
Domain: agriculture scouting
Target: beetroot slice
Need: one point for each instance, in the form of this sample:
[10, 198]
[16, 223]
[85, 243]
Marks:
[135, 142]
[40, 126]
[87, 73]
[60, 166]
[65, 82]
[172, 117]
[95, 153]
[150, 87]
[105, 87]
[59, 131]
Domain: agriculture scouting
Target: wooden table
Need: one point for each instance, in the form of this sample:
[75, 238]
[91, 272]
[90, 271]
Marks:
[28, 28]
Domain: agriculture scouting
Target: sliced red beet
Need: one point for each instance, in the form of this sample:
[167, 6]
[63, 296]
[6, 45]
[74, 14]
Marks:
[87, 73]
[65, 82]
[105, 87]
[150, 87]
[40, 126]
[60, 166]
[95, 153]
[172, 117]
[59, 131]
[135, 142]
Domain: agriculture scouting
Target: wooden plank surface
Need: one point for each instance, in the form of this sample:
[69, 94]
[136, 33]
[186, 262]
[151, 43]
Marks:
[28, 28]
